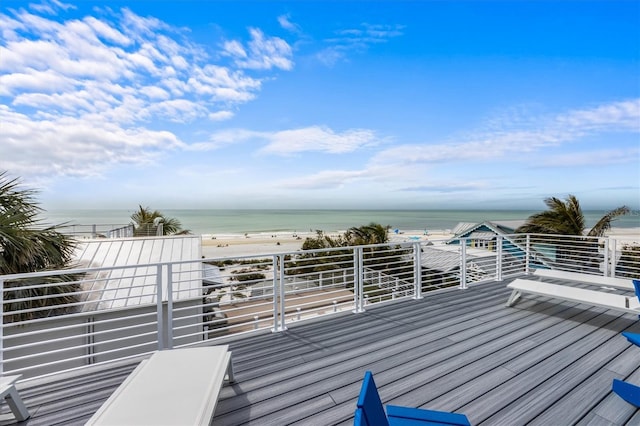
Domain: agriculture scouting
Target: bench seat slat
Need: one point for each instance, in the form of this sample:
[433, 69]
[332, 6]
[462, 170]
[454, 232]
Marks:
[591, 297]
[621, 283]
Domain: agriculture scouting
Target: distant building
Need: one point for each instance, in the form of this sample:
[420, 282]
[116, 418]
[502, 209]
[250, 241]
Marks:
[483, 234]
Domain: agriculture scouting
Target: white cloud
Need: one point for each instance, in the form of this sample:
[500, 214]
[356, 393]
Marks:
[623, 115]
[69, 146]
[599, 158]
[398, 167]
[330, 56]
[565, 128]
[110, 75]
[234, 48]
[44, 58]
[155, 92]
[50, 7]
[356, 40]
[261, 53]
[34, 81]
[220, 115]
[318, 139]
[448, 187]
[103, 30]
[293, 141]
[285, 23]
[327, 179]
[176, 110]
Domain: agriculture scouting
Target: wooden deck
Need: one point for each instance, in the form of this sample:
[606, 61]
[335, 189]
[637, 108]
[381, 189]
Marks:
[540, 362]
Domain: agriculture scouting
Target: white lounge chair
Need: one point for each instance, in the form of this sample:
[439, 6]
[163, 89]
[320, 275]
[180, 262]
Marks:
[172, 387]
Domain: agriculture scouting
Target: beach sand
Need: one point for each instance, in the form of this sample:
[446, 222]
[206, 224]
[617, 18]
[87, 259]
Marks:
[232, 245]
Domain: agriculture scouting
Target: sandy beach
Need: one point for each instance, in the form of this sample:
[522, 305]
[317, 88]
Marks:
[232, 245]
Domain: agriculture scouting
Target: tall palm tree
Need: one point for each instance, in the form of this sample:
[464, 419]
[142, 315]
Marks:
[146, 222]
[27, 245]
[566, 218]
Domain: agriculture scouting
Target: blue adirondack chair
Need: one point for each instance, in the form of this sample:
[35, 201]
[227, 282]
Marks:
[627, 391]
[636, 285]
[370, 411]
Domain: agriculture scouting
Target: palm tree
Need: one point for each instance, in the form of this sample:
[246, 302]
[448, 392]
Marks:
[566, 218]
[373, 233]
[147, 222]
[26, 245]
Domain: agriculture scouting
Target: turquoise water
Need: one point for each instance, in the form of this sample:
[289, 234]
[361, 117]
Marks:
[251, 221]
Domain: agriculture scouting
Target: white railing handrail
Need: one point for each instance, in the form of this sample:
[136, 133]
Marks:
[256, 292]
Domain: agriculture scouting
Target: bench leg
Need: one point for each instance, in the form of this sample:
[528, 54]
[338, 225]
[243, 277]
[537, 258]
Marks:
[17, 406]
[230, 378]
[515, 295]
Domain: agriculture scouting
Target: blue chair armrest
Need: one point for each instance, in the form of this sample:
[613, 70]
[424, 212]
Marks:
[636, 285]
[415, 416]
[627, 391]
[632, 337]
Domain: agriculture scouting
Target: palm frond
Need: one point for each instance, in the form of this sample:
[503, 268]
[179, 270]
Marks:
[604, 224]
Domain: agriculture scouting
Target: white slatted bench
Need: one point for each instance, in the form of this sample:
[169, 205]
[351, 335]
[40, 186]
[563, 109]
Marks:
[172, 387]
[10, 394]
[603, 299]
[621, 283]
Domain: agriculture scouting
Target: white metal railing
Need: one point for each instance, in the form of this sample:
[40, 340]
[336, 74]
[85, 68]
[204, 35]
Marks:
[98, 230]
[61, 320]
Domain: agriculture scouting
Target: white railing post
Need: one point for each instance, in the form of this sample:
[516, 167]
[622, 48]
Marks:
[614, 257]
[358, 286]
[417, 271]
[605, 266]
[169, 314]
[275, 292]
[159, 308]
[91, 340]
[463, 264]
[283, 300]
[499, 258]
[527, 255]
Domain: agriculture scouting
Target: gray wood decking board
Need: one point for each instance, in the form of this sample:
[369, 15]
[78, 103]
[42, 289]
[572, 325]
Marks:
[540, 367]
[542, 361]
[569, 384]
[612, 408]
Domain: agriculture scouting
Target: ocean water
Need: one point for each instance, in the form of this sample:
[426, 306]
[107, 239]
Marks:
[200, 221]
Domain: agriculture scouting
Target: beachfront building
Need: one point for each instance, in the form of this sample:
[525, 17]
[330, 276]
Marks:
[484, 234]
[300, 352]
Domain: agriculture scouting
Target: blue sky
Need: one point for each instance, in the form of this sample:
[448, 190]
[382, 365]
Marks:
[233, 104]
